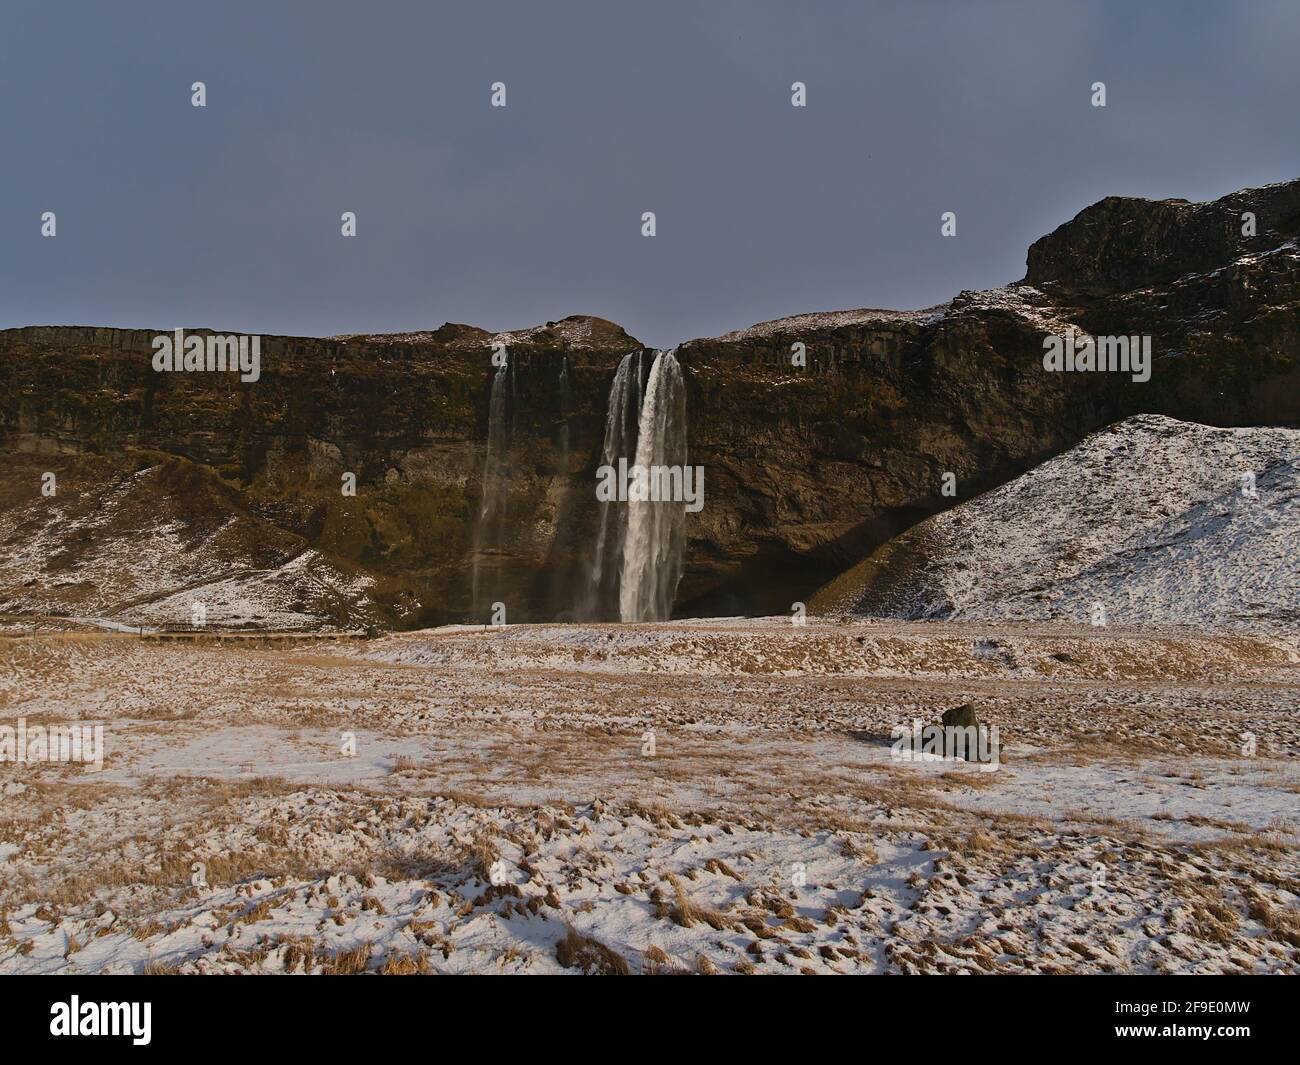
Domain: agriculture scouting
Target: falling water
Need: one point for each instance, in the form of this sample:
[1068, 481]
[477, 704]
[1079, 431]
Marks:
[566, 409]
[656, 531]
[489, 532]
[621, 417]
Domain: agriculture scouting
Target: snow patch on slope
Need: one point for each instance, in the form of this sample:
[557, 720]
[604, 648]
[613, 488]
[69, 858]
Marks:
[1148, 517]
[134, 553]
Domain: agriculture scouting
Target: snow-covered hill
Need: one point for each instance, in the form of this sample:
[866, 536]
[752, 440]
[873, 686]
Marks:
[141, 549]
[1150, 517]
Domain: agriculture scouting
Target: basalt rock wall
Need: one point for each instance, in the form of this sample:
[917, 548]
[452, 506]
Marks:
[821, 436]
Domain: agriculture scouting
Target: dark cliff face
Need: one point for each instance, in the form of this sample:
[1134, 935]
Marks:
[806, 468]
[406, 414]
[812, 469]
[1120, 243]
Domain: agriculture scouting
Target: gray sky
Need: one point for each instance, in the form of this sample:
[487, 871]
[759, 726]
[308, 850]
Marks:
[229, 216]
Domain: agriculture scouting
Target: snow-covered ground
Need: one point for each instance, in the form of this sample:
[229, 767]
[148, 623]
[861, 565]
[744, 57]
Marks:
[126, 553]
[1153, 521]
[702, 796]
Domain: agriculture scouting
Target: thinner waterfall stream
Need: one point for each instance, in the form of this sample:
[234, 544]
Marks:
[489, 530]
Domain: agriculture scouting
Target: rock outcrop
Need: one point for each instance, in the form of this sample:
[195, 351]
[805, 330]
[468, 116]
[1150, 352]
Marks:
[809, 468]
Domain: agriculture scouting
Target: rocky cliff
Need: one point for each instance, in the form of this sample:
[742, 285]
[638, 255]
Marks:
[813, 469]
[808, 467]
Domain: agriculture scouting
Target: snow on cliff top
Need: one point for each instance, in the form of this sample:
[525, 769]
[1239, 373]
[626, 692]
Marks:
[834, 320]
[1020, 299]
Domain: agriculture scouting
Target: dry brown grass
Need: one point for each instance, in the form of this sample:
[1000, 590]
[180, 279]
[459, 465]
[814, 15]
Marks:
[717, 865]
[299, 950]
[686, 913]
[1212, 919]
[576, 951]
[1282, 925]
[347, 962]
[396, 964]
[658, 963]
[480, 855]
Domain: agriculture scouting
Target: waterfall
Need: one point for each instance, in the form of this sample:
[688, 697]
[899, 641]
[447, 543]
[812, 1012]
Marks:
[637, 557]
[655, 537]
[489, 531]
[637, 560]
[600, 599]
[566, 409]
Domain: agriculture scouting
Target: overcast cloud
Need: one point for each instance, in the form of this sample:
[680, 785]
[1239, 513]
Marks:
[228, 216]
